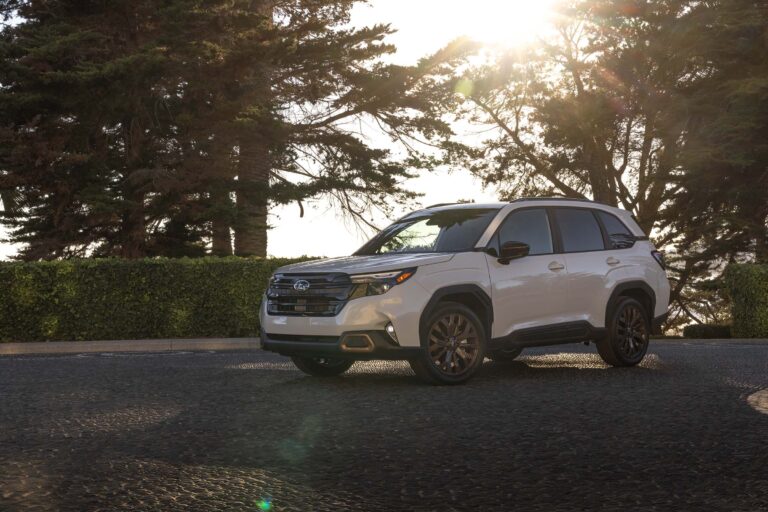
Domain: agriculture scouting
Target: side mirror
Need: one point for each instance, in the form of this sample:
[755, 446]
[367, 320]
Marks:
[512, 251]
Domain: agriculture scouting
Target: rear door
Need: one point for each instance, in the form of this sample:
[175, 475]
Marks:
[530, 291]
[588, 262]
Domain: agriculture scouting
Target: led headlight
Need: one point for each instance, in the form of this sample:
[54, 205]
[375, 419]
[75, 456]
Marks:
[379, 283]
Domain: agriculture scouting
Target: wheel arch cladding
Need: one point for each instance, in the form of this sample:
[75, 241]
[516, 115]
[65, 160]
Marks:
[470, 295]
[638, 290]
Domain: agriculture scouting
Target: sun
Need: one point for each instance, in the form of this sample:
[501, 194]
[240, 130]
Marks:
[425, 26]
[504, 22]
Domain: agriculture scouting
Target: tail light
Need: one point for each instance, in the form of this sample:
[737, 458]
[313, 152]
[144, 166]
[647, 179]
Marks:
[659, 257]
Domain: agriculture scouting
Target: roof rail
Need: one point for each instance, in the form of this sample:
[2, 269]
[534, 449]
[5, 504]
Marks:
[579, 199]
[438, 205]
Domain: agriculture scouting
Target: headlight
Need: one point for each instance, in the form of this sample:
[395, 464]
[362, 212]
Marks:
[379, 283]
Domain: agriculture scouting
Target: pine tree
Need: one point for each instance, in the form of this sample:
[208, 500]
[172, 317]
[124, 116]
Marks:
[143, 128]
[725, 187]
[82, 136]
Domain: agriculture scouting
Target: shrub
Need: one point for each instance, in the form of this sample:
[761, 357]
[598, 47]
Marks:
[707, 331]
[103, 299]
[748, 287]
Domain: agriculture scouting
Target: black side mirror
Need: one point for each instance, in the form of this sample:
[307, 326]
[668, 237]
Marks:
[512, 251]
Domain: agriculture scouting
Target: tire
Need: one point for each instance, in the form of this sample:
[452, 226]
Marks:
[626, 341]
[442, 338]
[321, 366]
[504, 355]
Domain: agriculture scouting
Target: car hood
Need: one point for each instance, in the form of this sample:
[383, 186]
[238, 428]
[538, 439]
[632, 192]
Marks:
[365, 264]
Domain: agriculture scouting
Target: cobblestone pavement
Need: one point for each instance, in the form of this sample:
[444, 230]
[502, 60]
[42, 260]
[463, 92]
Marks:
[245, 431]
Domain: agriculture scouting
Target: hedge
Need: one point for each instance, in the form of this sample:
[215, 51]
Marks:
[748, 288]
[106, 299]
[707, 331]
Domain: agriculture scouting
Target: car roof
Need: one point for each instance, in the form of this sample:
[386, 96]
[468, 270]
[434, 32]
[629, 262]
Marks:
[624, 215]
[541, 201]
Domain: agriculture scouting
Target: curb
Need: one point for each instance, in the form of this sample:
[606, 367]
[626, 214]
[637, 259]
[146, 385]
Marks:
[85, 347]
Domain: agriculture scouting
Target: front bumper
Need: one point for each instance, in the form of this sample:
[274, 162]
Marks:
[401, 306]
[356, 345]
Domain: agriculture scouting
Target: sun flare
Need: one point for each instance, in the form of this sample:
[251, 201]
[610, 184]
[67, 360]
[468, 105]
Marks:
[506, 22]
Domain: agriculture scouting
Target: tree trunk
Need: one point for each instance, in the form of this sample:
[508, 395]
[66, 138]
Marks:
[255, 164]
[252, 204]
[133, 226]
[222, 186]
[220, 230]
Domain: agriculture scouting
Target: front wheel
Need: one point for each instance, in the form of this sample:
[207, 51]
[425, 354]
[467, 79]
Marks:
[626, 341]
[321, 366]
[453, 345]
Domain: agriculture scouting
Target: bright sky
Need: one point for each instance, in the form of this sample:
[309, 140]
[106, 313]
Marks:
[424, 26]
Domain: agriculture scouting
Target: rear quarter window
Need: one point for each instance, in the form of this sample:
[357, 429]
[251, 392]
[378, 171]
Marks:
[619, 236]
[579, 230]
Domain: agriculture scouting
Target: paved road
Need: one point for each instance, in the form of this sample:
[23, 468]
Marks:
[224, 431]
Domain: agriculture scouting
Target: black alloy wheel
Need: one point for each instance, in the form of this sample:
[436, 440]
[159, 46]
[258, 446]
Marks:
[453, 346]
[626, 341]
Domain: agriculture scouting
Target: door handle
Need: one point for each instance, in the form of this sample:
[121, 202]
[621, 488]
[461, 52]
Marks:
[556, 266]
[612, 261]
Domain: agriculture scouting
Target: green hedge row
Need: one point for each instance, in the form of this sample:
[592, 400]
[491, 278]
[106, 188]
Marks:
[132, 299]
[748, 288]
[707, 331]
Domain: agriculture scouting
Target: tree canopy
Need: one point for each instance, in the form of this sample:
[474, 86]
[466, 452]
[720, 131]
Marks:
[143, 128]
[655, 107]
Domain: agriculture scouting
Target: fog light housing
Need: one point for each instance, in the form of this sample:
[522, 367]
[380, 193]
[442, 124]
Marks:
[391, 331]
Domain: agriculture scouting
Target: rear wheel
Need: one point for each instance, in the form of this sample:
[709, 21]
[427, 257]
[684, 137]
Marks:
[322, 366]
[626, 341]
[504, 355]
[453, 347]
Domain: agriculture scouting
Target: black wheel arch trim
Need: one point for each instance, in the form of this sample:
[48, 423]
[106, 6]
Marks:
[459, 289]
[626, 286]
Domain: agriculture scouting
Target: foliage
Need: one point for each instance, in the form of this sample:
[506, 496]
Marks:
[584, 115]
[136, 128]
[703, 301]
[102, 299]
[707, 331]
[722, 205]
[748, 288]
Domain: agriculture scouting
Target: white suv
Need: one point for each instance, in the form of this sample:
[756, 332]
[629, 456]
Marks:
[449, 285]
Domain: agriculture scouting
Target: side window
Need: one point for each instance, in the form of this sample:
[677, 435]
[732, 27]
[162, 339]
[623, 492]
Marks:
[530, 227]
[579, 230]
[618, 234]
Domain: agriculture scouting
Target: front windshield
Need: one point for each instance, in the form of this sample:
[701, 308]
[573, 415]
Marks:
[441, 231]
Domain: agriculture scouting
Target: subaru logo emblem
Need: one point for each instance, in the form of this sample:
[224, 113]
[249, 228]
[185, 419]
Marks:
[301, 285]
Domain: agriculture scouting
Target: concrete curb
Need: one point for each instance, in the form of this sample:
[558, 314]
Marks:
[83, 347]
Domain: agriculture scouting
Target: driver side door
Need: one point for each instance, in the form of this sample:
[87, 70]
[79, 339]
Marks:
[529, 291]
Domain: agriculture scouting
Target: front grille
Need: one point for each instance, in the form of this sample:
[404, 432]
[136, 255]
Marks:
[326, 296]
